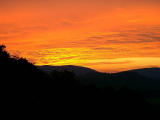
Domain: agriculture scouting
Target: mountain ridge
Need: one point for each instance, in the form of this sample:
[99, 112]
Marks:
[77, 70]
[139, 79]
[152, 73]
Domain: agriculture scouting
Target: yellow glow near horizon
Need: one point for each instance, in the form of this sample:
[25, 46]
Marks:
[107, 35]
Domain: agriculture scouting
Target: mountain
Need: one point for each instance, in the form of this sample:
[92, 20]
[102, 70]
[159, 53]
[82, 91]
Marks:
[83, 74]
[152, 73]
[149, 73]
[146, 79]
[132, 80]
[77, 70]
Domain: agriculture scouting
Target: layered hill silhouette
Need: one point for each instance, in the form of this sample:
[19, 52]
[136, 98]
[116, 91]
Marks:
[72, 89]
[77, 70]
[150, 73]
[146, 79]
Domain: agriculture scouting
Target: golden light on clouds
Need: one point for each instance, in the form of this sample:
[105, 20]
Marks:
[107, 35]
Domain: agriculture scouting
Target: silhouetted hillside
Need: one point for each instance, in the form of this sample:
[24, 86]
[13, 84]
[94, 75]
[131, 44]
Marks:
[26, 87]
[140, 79]
[135, 81]
[20, 80]
[152, 73]
[77, 70]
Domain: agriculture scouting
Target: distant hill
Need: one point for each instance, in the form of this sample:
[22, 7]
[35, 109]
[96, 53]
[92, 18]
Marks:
[152, 73]
[146, 79]
[77, 70]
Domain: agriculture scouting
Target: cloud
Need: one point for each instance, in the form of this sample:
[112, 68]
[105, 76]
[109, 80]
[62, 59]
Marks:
[107, 63]
[137, 35]
[104, 48]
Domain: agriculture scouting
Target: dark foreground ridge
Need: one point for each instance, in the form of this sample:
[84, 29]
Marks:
[26, 87]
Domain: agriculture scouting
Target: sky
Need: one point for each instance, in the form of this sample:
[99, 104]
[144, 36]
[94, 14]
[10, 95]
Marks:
[106, 35]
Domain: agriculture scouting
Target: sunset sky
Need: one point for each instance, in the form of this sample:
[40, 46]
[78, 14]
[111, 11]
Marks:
[106, 35]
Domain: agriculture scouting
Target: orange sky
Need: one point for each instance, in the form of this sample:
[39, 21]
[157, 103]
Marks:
[107, 35]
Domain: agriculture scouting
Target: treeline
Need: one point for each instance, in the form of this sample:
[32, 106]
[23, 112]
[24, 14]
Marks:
[24, 85]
